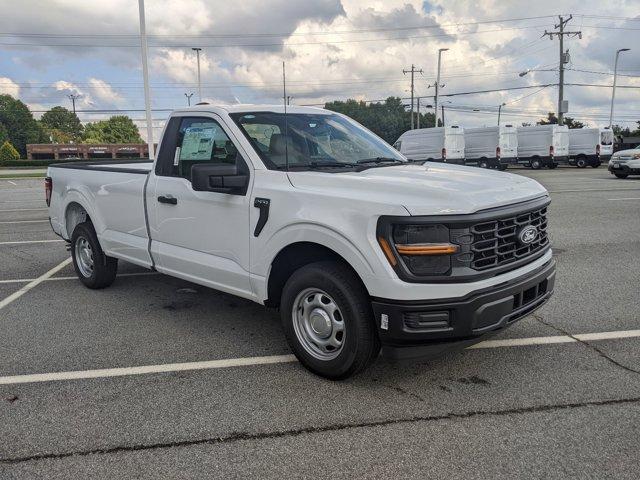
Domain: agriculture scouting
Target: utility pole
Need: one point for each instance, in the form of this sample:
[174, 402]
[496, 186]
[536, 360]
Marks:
[615, 79]
[437, 87]
[442, 107]
[145, 79]
[412, 71]
[564, 58]
[197, 50]
[188, 95]
[73, 97]
[418, 109]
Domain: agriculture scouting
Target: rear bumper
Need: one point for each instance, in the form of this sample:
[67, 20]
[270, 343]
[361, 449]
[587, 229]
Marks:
[411, 329]
[564, 159]
[591, 159]
[508, 160]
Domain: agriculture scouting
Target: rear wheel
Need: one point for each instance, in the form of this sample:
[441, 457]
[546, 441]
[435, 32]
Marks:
[327, 320]
[483, 163]
[536, 163]
[93, 267]
[621, 175]
[502, 167]
[596, 164]
[552, 165]
[581, 162]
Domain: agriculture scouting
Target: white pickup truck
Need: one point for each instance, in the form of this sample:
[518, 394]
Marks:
[308, 211]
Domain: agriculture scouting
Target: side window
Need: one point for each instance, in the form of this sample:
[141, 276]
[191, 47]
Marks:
[201, 140]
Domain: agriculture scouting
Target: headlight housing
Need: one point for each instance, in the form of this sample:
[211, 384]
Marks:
[422, 249]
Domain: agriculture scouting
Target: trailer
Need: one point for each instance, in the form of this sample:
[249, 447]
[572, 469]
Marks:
[590, 146]
[543, 145]
[439, 144]
[491, 147]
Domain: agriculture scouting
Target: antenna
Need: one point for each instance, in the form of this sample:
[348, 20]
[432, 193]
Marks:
[286, 124]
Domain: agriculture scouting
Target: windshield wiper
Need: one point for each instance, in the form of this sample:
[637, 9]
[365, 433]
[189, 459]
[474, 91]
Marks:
[317, 165]
[379, 160]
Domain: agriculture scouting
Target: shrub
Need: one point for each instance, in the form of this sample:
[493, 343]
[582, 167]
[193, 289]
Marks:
[8, 153]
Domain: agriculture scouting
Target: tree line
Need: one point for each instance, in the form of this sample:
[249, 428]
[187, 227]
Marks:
[18, 128]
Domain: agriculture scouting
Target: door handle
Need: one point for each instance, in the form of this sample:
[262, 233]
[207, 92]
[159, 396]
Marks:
[171, 200]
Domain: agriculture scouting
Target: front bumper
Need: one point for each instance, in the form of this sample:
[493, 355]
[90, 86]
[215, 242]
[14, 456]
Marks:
[411, 329]
[625, 168]
[508, 161]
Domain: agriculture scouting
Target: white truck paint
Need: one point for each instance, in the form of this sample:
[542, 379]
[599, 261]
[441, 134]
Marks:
[590, 146]
[625, 162]
[441, 144]
[338, 199]
[491, 146]
[543, 145]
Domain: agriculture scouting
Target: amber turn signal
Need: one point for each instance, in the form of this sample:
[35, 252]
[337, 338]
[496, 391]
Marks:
[386, 248]
[427, 249]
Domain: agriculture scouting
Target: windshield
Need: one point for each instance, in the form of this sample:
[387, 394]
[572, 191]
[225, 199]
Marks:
[312, 140]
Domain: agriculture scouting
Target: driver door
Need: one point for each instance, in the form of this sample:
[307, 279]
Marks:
[198, 235]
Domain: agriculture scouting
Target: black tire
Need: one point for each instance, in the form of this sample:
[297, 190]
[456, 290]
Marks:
[581, 162]
[536, 163]
[621, 175]
[104, 268]
[596, 164]
[502, 167]
[361, 343]
[552, 166]
[483, 163]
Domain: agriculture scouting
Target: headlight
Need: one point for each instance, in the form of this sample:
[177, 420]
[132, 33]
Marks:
[636, 155]
[422, 249]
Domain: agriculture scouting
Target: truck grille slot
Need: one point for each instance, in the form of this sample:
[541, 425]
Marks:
[495, 243]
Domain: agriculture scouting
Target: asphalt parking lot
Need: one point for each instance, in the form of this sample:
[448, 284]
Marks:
[556, 395]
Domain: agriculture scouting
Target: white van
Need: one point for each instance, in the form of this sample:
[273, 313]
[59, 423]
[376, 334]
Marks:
[590, 146]
[491, 147]
[543, 145]
[440, 144]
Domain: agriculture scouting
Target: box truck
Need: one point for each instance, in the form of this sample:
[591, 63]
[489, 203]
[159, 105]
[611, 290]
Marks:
[491, 147]
[543, 145]
[590, 146]
[440, 144]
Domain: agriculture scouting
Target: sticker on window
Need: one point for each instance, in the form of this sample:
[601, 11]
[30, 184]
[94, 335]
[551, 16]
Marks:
[197, 143]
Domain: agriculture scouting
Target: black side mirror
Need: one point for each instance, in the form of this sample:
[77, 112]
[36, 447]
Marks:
[219, 177]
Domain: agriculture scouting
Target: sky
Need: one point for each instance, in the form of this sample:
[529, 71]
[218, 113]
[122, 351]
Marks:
[333, 50]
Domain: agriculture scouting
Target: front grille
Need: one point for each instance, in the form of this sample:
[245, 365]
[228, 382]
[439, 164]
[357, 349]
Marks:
[495, 243]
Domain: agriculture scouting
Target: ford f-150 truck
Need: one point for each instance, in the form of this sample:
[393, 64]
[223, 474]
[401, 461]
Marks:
[307, 211]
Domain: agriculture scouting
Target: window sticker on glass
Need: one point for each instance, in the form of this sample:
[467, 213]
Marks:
[197, 143]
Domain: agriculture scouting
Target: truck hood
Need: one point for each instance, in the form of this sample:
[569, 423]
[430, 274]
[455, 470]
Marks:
[430, 189]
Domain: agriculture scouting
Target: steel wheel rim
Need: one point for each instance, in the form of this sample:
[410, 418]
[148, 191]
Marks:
[318, 324]
[84, 257]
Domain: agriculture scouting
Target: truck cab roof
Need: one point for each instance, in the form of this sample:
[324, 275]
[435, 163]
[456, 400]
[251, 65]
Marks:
[248, 107]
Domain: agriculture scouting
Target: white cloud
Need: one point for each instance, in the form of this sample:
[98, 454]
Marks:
[9, 87]
[105, 93]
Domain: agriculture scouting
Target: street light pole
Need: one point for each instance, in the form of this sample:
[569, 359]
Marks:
[197, 50]
[73, 97]
[437, 86]
[188, 95]
[145, 78]
[615, 78]
[499, 111]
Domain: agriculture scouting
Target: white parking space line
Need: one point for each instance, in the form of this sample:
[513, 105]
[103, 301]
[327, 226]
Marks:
[24, 210]
[275, 359]
[54, 279]
[25, 221]
[629, 198]
[22, 242]
[34, 283]
[13, 183]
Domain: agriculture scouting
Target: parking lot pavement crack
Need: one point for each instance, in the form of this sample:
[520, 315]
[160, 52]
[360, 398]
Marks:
[591, 346]
[246, 436]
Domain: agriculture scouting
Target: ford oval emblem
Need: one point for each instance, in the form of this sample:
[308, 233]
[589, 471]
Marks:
[528, 234]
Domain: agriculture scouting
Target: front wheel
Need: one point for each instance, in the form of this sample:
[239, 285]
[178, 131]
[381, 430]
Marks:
[596, 164]
[552, 166]
[327, 320]
[536, 164]
[502, 167]
[483, 163]
[621, 175]
[581, 162]
[93, 267]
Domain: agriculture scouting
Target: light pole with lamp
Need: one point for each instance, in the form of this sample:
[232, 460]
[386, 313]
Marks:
[615, 78]
[197, 50]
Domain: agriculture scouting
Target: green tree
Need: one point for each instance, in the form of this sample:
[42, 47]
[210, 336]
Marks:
[7, 152]
[19, 123]
[552, 119]
[4, 135]
[117, 129]
[388, 119]
[62, 120]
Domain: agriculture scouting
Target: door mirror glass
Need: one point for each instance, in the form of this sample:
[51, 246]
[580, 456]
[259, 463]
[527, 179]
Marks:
[219, 177]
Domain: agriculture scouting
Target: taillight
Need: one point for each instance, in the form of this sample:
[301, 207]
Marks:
[444, 154]
[497, 152]
[48, 186]
[598, 149]
[551, 151]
